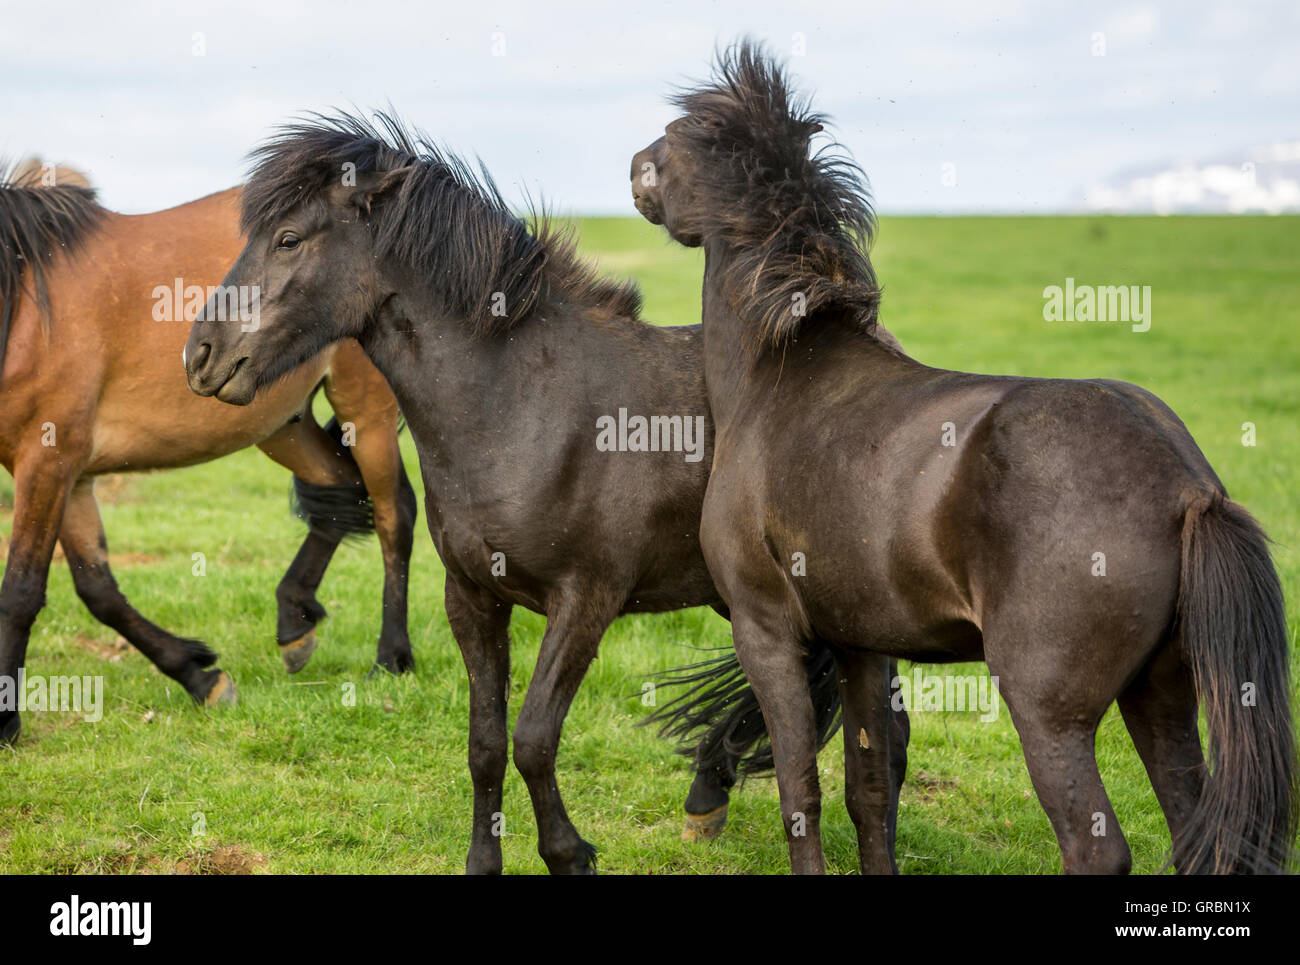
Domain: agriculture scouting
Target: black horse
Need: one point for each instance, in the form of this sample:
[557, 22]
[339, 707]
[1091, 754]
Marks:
[517, 370]
[831, 444]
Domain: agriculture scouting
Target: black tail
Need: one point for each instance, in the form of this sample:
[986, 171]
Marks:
[335, 512]
[36, 222]
[1234, 637]
[719, 721]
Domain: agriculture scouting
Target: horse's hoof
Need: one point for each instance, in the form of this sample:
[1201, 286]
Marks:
[395, 669]
[222, 692]
[705, 827]
[296, 653]
[9, 729]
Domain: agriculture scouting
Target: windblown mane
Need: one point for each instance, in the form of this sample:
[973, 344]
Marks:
[36, 222]
[799, 221]
[445, 221]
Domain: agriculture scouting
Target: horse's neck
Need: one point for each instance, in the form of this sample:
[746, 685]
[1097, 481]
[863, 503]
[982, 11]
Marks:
[732, 371]
[436, 368]
[461, 392]
[740, 375]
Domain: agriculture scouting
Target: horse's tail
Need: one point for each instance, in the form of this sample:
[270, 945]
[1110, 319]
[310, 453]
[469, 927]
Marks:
[1234, 636]
[43, 210]
[718, 719]
[336, 512]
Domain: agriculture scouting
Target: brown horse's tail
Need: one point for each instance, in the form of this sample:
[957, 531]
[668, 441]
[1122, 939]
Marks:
[1234, 637]
[43, 210]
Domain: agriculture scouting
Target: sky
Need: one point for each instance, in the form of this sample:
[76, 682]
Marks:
[951, 107]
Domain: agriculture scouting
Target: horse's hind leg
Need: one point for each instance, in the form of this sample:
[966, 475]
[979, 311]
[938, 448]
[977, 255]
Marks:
[1056, 707]
[359, 395]
[297, 609]
[871, 778]
[42, 483]
[481, 625]
[708, 798]
[307, 451]
[84, 545]
[1159, 708]
[573, 631]
[379, 458]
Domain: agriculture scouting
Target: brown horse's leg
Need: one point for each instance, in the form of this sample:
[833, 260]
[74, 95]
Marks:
[481, 625]
[573, 631]
[297, 609]
[307, 451]
[772, 660]
[82, 537]
[870, 794]
[360, 396]
[42, 482]
[1159, 708]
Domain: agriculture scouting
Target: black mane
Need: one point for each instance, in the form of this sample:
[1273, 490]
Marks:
[445, 221]
[800, 222]
[37, 221]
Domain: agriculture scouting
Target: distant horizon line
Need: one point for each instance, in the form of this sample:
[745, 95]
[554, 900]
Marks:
[994, 213]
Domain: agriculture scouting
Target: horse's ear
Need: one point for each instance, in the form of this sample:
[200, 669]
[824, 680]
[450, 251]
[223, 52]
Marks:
[371, 187]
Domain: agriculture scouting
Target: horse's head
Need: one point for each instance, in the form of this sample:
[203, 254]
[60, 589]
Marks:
[738, 172]
[661, 180]
[307, 277]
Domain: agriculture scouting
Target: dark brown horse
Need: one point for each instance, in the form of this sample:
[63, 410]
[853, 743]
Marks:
[93, 318]
[975, 541]
[508, 356]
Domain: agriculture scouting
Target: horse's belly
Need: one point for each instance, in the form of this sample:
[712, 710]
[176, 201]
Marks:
[884, 619]
[171, 427]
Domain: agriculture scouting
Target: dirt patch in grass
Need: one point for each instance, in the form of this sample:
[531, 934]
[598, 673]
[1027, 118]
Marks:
[130, 863]
[112, 652]
[124, 859]
[928, 787]
[226, 859]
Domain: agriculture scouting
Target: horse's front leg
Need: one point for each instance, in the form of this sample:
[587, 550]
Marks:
[771, 654]
[43, 479]
[574, 627]
[481, 625]
[361, 397]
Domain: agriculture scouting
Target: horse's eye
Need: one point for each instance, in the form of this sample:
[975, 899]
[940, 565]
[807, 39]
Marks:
[288, 242]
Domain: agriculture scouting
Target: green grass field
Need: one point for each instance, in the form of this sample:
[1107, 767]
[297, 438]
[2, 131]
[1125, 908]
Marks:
[293, 780]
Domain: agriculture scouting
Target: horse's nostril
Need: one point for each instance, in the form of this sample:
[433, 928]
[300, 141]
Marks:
[200, 357]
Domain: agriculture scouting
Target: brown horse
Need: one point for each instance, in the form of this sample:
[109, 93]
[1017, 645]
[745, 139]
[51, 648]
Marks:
[947, 516]
[94, 319]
